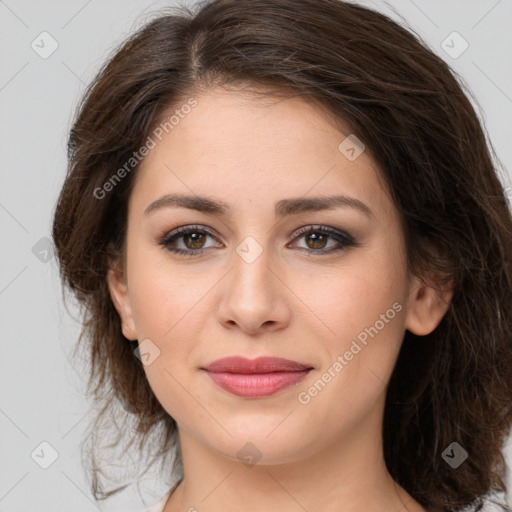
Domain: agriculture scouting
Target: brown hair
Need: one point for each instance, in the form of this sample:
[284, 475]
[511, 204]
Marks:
[411, 111]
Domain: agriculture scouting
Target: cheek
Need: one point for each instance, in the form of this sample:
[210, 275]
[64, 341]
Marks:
[164, 313]
[350, 300]
[366, 312]
[362, 309]
[161, 296]
[167, 308]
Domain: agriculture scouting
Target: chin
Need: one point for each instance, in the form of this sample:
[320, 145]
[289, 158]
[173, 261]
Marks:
[256, 446]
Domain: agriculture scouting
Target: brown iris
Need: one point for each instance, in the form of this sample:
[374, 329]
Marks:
[196, 239]
[318, 242]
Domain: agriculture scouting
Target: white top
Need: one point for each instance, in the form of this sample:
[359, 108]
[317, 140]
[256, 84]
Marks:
[159, 507]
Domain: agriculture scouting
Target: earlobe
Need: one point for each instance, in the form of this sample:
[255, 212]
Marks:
[427, 306]
[116, 281]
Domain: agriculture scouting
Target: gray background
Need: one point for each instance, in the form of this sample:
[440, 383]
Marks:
[41, 393]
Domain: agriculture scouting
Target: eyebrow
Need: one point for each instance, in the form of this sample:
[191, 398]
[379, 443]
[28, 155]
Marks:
[282, 208]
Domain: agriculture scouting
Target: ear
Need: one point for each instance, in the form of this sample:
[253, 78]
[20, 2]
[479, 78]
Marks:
[428, 302]
[426, 307]
[118, 287]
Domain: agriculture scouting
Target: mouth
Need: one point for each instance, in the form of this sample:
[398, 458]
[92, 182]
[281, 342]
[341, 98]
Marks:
[256, 378]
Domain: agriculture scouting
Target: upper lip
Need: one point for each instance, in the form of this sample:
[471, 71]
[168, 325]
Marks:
[239, 364]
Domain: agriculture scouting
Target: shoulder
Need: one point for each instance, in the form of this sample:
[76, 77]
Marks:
[159, 506]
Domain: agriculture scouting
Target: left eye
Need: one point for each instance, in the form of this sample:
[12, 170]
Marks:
[193, 239]
[317, 238]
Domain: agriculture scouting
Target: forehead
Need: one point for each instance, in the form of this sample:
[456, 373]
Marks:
[249, 148]
[241, 121]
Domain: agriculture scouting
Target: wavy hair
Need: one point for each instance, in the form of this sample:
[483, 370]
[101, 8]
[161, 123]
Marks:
[415, 116]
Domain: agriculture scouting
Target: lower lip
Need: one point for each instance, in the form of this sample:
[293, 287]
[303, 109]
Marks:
[256, 385]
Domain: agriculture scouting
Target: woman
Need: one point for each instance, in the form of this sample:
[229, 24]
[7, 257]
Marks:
[294, 254]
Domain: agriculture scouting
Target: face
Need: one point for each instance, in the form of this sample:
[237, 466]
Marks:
[326, 287]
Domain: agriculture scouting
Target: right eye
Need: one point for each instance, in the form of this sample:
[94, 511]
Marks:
[192, 239]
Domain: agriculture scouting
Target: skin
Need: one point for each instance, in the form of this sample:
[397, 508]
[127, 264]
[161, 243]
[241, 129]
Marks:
[289, 302]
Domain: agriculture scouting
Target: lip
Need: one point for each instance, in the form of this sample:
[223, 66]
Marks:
[238, 364]
[256, 378]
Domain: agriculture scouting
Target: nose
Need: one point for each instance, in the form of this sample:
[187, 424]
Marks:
[254, 297]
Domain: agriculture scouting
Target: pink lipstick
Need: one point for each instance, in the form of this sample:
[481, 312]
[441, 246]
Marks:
[256, 378]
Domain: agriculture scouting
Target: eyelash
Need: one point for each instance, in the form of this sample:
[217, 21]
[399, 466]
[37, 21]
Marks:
[341, 237]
